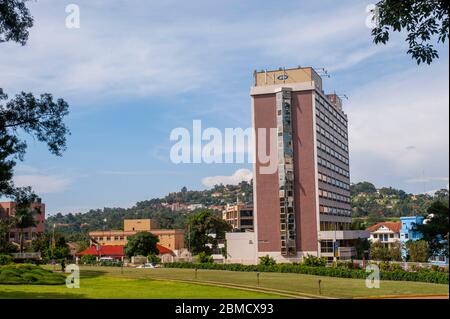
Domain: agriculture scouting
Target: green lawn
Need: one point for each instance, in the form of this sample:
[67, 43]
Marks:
[293, 283]
[98, 285]
[109, 282]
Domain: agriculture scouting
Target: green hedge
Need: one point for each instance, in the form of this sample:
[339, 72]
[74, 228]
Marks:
[399, 275]
[26, 274]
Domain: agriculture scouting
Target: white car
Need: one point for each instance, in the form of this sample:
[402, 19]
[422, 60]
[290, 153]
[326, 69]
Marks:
[147, 265]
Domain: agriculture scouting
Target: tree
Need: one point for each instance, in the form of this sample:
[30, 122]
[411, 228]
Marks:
[436, 230]
[379, 251]
[25, 218]
[142, 244]
[41, 118]
[423, 20]
[201, 227]
[395, 252]
[362, 245]
[418, 250]
[6, 225]
[204, 258]
[363, 187]
[15, 20]
[51, 246]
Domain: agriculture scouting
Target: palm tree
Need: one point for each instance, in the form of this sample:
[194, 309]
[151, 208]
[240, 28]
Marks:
[24, 217]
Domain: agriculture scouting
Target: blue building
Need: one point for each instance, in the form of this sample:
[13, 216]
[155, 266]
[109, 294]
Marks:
[407, 233]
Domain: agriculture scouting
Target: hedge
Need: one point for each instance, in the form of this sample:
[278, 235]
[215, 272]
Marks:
[398, 275]
[25, 274]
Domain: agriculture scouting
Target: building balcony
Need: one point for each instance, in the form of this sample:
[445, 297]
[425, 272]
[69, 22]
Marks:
[343, 234]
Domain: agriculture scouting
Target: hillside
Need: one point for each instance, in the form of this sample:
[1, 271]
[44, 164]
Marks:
[369, 204]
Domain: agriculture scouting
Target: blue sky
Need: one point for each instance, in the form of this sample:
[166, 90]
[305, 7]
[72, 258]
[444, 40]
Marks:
[135, 70]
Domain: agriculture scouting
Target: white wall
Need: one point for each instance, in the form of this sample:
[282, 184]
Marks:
[241, 248]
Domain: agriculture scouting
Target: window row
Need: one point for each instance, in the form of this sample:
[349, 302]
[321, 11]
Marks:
[334, 196]
[331, 138]
[333, 181]
[331, 110]
[334, 211]
[331, 124]
[332, 152]
[333, 167]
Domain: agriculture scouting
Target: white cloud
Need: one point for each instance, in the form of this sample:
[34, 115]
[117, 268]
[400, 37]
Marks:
[398, 126]
[238, 176]
[427, 179]
[113, 55]
[43, 184]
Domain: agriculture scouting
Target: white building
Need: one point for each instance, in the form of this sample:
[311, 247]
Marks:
[386, 232]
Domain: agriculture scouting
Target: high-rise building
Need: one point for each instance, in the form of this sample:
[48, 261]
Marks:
[303, 207]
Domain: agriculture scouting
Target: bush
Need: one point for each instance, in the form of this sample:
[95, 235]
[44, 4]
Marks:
[267, 261]
[25, 274]
[204, 258]
[88, 260]
[5, 259]
[110, 263]
[432, 277]
[154, 259]
[314, 261]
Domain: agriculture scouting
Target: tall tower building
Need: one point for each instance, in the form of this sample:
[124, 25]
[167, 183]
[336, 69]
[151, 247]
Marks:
[304, 206]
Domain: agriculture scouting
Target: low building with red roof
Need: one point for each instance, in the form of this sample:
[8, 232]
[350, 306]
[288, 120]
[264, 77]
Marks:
[117, 252]
[386, 232]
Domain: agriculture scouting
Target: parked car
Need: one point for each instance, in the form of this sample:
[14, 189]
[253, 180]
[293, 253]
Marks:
[147, 265]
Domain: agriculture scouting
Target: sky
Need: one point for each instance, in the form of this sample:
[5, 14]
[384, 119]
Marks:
[136, 70]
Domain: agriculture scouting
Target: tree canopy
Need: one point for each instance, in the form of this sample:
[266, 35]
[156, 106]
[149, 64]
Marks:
[142, 244]
[40, 117]
[204, 231]
[15, 20]
[424, 21]
[436, 230]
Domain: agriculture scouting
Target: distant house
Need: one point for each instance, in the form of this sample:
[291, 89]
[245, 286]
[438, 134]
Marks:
[387, 233]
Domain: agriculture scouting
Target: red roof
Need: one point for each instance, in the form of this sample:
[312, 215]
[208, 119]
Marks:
[393, 226]
[117, 251]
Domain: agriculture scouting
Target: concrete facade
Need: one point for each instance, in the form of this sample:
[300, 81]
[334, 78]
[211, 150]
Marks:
[313, 151]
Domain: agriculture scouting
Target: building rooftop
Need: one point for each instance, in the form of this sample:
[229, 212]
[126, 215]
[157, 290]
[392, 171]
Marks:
[393, 226]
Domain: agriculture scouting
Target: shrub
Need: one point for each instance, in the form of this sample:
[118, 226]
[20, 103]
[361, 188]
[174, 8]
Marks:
[88, 259]
[267, 261]
[204, 258]
[5, 259]
[152, 258]
[110, 263]
[22, 274]
[433, 277]
[314, 261]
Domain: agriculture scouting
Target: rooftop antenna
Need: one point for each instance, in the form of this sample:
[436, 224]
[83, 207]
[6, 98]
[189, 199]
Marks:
[322, 72]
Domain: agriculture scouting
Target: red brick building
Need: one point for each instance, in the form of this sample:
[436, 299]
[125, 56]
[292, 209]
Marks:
[8, 210]
[304, 206]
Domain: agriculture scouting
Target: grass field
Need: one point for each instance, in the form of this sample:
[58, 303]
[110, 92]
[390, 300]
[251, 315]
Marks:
[109, 282]
[98, 285]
